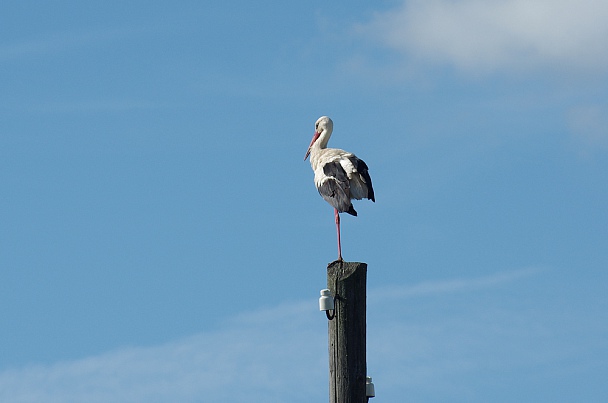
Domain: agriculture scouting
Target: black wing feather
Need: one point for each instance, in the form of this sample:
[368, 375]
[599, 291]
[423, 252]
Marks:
[336, 188]
[363, 171]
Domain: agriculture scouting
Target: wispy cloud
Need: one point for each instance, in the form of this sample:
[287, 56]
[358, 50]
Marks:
[94, 106]
[261, 356]
[279, 354]
[480, 36]
[589, 126]
[84, 107]
[451, 286]
[55, 42]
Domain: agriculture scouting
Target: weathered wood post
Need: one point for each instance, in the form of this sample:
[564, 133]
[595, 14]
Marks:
[347, 281]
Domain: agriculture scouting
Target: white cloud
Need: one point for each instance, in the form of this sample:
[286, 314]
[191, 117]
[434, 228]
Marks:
[487, 35]
[450, 286]
[56, 42]
[90, 106]
[263, 356]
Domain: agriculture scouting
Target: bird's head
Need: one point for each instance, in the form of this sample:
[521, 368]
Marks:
[323, 126]
[324, 123]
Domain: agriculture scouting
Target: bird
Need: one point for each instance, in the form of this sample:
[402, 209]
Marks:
[339, 175]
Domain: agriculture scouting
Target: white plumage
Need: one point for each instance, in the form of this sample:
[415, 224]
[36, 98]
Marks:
[339, 175]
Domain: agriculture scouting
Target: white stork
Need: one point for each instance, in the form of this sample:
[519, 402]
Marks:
[339, 175]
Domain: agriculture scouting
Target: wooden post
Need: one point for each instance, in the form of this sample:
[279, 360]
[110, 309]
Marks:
[347, 357]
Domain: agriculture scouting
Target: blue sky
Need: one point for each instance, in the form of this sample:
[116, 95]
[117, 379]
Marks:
[162, 239]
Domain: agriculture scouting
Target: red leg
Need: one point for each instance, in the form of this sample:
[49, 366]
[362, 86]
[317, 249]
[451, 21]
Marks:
[338, 229]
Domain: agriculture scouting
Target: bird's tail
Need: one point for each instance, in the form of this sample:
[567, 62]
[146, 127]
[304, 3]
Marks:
[351, 211]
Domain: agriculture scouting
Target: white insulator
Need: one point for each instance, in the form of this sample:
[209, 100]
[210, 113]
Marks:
[370, 391]
[326, 301]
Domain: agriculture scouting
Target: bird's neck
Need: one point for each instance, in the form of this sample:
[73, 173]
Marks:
[323, 139]
[315, 152]
[317, 148]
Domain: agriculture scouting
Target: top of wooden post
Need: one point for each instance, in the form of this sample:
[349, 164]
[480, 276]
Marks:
[341, 270]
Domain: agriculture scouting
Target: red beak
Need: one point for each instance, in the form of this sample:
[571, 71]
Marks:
[314, 138]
